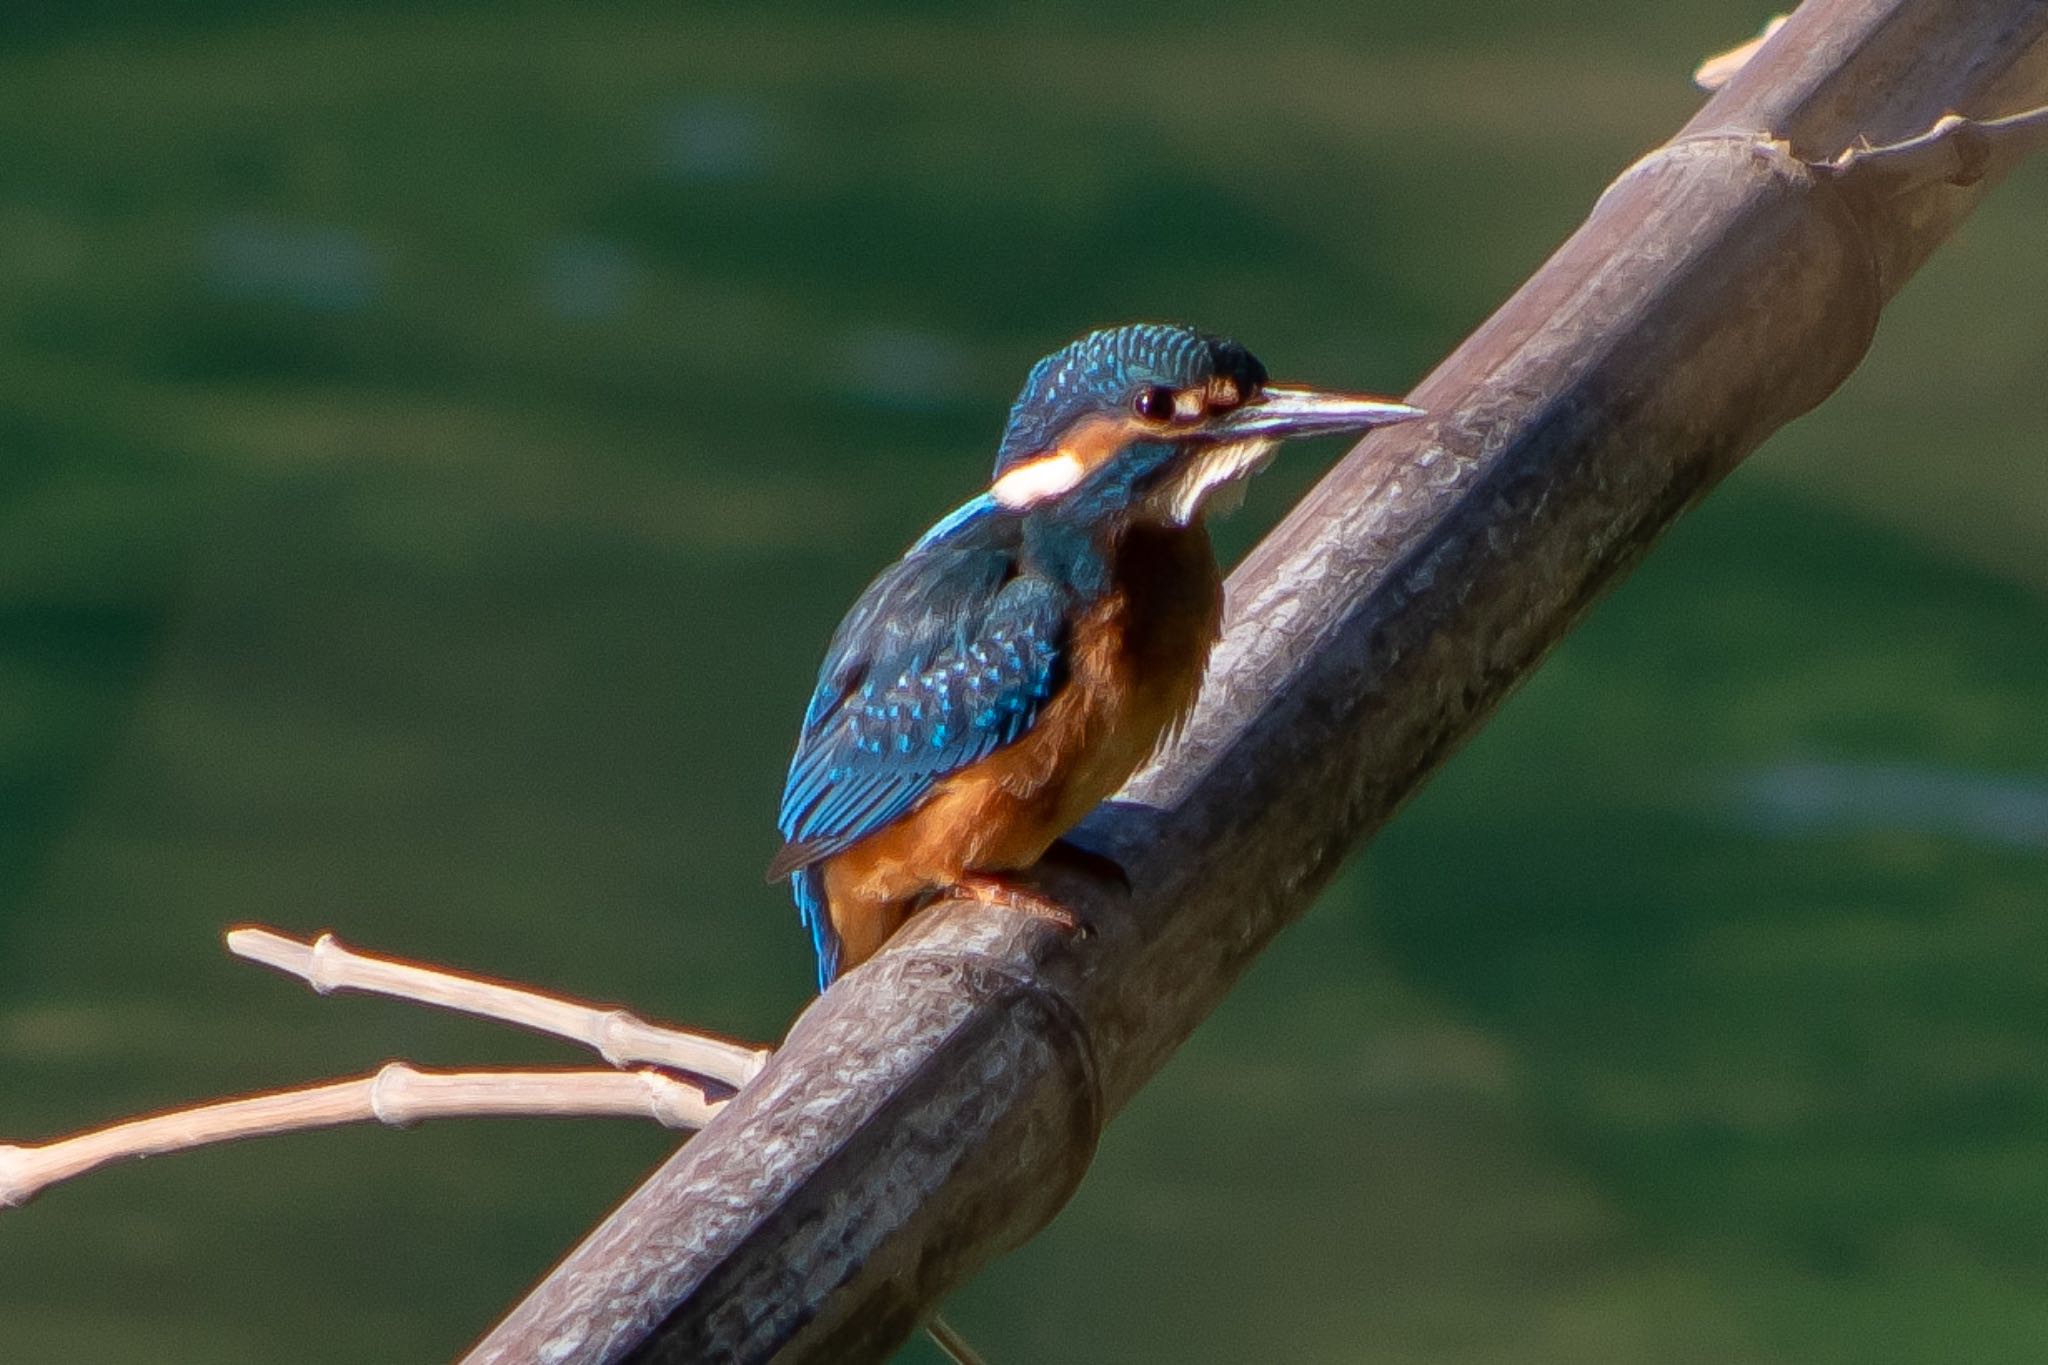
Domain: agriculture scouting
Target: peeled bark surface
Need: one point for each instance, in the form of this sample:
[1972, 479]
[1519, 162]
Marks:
[940, 1104]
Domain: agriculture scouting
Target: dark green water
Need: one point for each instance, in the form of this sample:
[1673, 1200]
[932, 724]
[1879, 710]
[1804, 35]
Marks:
[436, 440]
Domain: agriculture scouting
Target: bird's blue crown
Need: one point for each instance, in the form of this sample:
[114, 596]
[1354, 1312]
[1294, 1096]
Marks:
[1101, 371]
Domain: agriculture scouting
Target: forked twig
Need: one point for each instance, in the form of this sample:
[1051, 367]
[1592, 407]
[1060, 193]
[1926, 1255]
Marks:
[642, 1085]
[401, 1095]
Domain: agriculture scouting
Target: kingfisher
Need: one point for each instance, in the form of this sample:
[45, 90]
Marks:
[1033, 648]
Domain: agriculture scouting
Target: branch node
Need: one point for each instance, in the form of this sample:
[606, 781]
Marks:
[391, 1095]
[672, 1103]
[326, 965]
[614, 1036]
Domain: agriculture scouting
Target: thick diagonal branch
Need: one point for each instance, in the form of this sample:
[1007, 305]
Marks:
[939, 1104]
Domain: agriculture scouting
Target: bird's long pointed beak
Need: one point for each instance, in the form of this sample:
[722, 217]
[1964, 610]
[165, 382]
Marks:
[1280, 412]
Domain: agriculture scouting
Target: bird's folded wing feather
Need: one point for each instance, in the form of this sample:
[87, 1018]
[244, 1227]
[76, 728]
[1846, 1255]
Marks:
[948, 656]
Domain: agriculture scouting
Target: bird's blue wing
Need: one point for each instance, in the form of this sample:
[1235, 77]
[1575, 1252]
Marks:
[948, 656]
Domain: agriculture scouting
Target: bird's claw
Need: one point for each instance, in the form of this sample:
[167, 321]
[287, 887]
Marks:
[1010, 895]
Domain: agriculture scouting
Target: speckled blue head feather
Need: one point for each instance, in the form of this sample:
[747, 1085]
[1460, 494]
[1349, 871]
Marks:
[1101, 371]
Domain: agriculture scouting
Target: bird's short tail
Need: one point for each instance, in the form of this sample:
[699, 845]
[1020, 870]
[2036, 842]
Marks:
[807, 885]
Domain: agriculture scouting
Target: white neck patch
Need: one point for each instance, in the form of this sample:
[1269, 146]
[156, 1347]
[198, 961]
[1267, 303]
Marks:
[1034, 482]
[1217, 470]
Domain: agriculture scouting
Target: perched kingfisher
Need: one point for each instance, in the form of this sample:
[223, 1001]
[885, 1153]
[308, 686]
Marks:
[1036, 645]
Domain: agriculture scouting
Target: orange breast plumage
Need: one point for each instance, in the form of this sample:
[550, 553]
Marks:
[1134, 660]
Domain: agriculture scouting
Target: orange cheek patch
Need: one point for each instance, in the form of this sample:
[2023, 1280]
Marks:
[1093, 440]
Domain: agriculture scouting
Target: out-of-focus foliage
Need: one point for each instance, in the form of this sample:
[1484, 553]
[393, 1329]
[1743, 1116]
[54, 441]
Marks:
[435, 440]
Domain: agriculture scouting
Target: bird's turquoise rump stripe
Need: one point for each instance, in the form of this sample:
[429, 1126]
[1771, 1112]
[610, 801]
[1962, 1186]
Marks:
[965, 514]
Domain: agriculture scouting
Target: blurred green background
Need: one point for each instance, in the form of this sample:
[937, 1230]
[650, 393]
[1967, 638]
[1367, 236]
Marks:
[436, 439]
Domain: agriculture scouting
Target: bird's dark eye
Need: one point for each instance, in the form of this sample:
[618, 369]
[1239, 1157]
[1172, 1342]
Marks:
[1155, 404]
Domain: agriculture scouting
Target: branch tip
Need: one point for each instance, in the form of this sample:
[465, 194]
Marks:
[14, 1188]
[1717, 70]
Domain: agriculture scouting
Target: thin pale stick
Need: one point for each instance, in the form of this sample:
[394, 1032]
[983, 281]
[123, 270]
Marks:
[1717, 70]
[619, 1036]
[948, 1339]
[1955, 151]
[399, 1095]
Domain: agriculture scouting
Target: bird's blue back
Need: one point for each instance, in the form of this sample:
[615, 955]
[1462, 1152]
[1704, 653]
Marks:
[949, 655]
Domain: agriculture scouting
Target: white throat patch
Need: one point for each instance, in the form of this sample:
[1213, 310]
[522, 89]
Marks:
[1216, 470]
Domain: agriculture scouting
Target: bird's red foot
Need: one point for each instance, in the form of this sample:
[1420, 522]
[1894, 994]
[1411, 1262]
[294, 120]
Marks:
[1011, 895]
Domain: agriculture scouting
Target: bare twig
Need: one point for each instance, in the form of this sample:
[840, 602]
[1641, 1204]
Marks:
[620, 1037]
[1955, 151]
[948, 1339]
[399, 1095]
[1717, 70]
